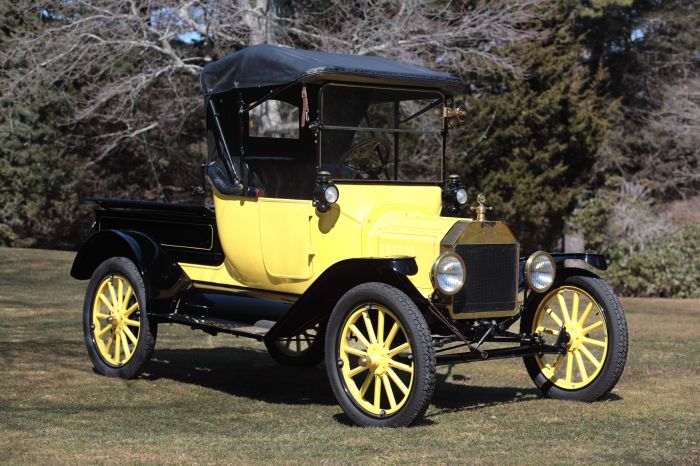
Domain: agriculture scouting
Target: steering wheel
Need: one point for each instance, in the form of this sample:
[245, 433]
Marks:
[372, 170]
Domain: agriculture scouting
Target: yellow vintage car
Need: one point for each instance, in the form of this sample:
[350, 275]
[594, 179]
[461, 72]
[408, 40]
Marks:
[337, 235]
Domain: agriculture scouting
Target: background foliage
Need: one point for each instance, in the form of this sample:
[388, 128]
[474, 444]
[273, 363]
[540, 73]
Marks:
[584, 116]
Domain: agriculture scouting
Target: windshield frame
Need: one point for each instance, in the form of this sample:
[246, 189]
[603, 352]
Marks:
[440, 175]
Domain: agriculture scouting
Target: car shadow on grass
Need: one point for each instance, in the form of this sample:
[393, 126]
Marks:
[253, 374]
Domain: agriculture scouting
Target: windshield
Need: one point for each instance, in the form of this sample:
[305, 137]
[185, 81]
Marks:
[381, 134]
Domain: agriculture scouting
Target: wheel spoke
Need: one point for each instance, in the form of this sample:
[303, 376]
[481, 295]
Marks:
[398, 349]
[547, 330]
[389, 391]
[102, 331]
[591, 341]
[100, 315]
[590, 356]
[592, 327]
[581, 366]
[113, 295]
[380, 327]
[569, 366]
[133, 323]
[131, 309]
[365, 384]
[377, 391]
[129, 293]
[120, 293]
[125, 346]
[587, 311]
[368, 326]
[106, 302]
[392, 333]
[574, 308]
[554, 317]
[397, 381]
[354, 351]
[359, 335]
[400, 366]
[130, 335]
[356, 371]
[562, 305]
[109, 344]
[298, 340]
[554, 367]
[117, 348]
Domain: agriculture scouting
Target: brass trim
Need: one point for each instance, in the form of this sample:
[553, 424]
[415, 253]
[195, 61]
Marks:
[528, 269]
[459, 112]
[433, 279]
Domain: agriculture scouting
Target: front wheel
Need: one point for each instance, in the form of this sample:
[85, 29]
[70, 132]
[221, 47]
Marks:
[118, 334]
[379, 356]
[592, 316]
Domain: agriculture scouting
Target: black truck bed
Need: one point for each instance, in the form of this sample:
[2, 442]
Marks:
[186, 231]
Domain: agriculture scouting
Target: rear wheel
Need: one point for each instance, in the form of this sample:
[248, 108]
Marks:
[590, 312]
[379, 356]
[118, 334]
[302, 350]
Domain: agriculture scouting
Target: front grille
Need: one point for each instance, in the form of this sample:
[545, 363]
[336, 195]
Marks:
[490, 284]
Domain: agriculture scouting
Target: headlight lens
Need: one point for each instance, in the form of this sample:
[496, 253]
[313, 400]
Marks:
[331, 194]
[540, 271]
[461, 196]
[448, 273]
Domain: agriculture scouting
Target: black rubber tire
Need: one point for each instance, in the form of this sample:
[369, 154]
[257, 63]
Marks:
[616, 326]
[422, 349]
[309, 358]
[148, 328]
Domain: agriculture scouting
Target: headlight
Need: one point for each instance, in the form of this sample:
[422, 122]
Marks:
[448, 273]
[540, 271]
[461, 196]
[331, 194]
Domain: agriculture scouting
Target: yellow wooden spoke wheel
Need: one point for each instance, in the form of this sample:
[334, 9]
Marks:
[582, 318]
[588, 310]
[119, 336]
[377, 359]
[379, 356]
[115, 319]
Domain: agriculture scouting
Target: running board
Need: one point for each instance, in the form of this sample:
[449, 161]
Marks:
[213, 326]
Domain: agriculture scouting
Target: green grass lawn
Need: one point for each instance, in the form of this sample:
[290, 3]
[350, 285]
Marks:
[222, 399]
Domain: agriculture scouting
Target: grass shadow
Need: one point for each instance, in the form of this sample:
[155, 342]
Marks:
[253, 374]
[242, 372]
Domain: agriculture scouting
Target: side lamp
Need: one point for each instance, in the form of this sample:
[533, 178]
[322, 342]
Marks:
[325, 193]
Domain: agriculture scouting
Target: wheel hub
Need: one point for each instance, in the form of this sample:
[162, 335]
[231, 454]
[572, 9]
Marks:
[377, 359]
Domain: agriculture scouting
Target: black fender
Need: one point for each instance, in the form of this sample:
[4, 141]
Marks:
[162, 276]
[595, 260]
[320, 298]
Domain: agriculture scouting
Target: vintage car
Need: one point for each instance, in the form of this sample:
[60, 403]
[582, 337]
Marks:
[336, 234]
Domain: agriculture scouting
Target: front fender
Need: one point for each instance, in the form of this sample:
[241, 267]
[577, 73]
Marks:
[162, 276]
[595, 260]
[320, 298]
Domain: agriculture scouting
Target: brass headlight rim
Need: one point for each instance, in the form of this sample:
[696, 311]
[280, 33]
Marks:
[433, 277]
[528, 269]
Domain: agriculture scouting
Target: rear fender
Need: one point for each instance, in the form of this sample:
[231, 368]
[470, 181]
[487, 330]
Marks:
[162, 276]
[320, 298]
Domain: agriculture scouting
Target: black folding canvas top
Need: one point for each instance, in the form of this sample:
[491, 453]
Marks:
[267, 65]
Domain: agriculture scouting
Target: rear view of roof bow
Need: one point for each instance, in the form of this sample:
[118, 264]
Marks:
[267, 65]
